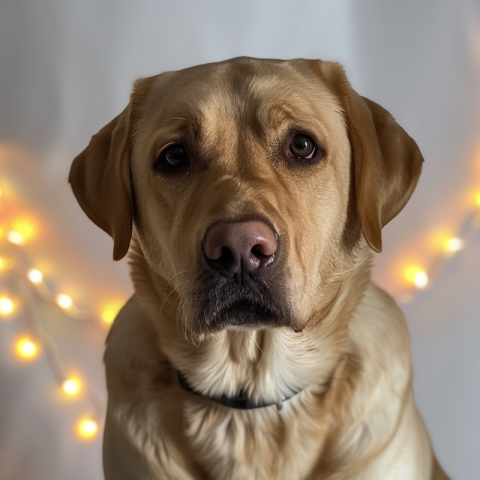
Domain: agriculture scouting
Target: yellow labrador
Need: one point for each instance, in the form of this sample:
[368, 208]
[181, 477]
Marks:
[249, 195]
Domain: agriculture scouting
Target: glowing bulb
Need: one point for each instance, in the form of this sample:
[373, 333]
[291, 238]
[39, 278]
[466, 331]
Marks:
[64, 301]
[71, 386]
[417, 276]
[454, 244]
[35, 276]
[421, 279]
[87, 428]
[26, 349]
[15, 237]
[6, 306]
[24, 228]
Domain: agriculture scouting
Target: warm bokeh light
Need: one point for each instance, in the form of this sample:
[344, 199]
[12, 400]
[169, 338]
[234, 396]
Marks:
[35, 276]
[87, 428]
[421, 279]
[6, 263]
[64, 301]
[25, 228]
[477, 199]
[454, 245]
[417, 276]
[26, 349]
[6, 306]
[71, 386]
[15, 237]
[439, 237]
[110, 312]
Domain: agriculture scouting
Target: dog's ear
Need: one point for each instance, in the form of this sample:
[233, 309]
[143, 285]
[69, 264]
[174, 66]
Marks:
[100, 179]
[387, 162]
[100, 175]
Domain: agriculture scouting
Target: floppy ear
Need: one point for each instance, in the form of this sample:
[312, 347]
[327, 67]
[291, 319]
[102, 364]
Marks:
[387, 162]
[100, 179]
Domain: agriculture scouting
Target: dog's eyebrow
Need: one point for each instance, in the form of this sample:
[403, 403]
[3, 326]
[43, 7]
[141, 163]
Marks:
[279, 116]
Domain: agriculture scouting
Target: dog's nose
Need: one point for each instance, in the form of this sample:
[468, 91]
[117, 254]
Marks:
[240, 247]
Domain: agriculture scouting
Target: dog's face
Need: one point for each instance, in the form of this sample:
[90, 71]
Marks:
[249, 184]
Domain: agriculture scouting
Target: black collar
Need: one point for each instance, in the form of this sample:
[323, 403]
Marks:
[240, 402]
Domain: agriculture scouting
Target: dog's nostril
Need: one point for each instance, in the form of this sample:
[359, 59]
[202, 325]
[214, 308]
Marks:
[226, 255]
[234, 247]
[259, 253]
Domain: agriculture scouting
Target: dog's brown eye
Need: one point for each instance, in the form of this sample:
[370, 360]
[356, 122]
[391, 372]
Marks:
[302, 146]
[172, 157]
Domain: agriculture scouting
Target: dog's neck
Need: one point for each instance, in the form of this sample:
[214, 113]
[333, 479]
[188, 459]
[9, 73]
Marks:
[266, 364]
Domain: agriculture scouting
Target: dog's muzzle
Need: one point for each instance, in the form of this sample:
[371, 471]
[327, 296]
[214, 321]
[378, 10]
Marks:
[242, 284]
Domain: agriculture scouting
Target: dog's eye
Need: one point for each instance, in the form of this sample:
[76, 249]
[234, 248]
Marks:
[172, 157]
[302, 146]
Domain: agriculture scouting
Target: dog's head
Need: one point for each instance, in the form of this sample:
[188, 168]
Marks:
[250, 186]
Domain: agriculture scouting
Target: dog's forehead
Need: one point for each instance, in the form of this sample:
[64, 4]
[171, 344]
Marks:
[239, 91]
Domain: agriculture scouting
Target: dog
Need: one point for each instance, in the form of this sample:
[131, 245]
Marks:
[250, 195]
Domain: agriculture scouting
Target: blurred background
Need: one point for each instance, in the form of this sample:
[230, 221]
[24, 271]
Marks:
[67, 67]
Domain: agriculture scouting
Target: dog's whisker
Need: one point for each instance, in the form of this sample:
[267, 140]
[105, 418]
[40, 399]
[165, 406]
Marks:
[233, 338]
[173, 291]
[173, 276]
[254, 339]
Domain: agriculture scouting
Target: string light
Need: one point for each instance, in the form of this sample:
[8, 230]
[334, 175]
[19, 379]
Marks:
[24, 228]
[64, 301]
[15, 237]
[71, 386]
[454, 245]
[6, 306]
[421, 279]
[416, 276]
[27, 349]
[87, 428]
[35, 276]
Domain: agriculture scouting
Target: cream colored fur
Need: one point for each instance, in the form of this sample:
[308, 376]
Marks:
[360, 423]
[348, 355]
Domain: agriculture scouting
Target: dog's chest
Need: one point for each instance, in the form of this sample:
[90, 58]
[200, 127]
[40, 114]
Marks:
[256, 444]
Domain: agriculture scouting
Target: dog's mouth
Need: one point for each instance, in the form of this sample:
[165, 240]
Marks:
[226, 304]
[247, 313]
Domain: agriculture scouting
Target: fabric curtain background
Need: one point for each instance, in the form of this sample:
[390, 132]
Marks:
[66, 69]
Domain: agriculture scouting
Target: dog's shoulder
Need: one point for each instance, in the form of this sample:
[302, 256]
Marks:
[382, 415]
[379, 332]
[132, 353]
[143, 426]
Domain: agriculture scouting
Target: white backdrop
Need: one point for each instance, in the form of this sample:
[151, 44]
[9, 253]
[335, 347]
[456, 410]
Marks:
[66, 68]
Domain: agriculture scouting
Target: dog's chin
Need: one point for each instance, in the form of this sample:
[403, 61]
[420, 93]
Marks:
[252, 305]
[246, 315]
[242, 312]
